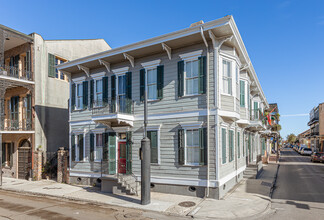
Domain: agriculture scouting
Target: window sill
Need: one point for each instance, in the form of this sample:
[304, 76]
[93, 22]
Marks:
[225, 94]
[153, 100]
[192, 165]
[191, 96]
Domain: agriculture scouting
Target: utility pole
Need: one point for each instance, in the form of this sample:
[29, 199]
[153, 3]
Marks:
[145, 154]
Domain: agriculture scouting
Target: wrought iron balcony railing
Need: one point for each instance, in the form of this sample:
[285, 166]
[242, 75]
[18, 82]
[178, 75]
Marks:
[255, 114]
[104, 108]
[15, 72]
[17, 125]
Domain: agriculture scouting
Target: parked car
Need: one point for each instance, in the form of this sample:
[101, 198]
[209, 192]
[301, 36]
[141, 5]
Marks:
[317, 157]
[306, 151]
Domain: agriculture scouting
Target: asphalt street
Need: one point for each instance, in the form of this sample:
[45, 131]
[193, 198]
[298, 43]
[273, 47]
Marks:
[25, 207]
[299, 192]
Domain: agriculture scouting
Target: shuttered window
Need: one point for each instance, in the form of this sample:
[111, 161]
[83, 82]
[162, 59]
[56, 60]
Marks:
[223, 145]
[227, 77]
[92, 151]
[242, 93]
[153, 136]
[154, 78]
[73, 153]
[7, 154]
[192, 145]
[79, 96]
[80, 146]
[231, 145]
[51, 65]
[85, 94]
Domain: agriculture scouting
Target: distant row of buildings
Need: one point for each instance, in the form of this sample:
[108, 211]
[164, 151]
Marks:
[314, 136]
[206, 109]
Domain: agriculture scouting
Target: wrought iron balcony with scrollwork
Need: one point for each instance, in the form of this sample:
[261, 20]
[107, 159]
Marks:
[15, 72]
[16, 125]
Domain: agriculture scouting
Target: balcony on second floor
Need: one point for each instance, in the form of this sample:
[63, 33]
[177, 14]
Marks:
[11, 125]
[9, 72]
[115, 114]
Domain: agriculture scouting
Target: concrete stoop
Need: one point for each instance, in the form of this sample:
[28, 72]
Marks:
[127, 184]
[250, 172]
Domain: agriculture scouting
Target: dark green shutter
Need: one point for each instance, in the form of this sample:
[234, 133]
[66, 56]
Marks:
[73, 97]
[129, 152]
[112, 153]
[231, 145]
[104, 91]
[153, 136]
[113, 93]
[180, 78]
[3, 154]
[256, 110]
[11, 151]
[51, 64]
[80, 143]
[129, 92]
[223, 145]
[160, 81]
[202, 72]
[91, 147]
[105, 137]
[181, 146]
[238, 145]
[142, 84]
[73, 147]
[91, 93]
[85, 94]
[203, 146]
[242, 93]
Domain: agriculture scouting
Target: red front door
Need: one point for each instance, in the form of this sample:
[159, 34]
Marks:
[121, 157]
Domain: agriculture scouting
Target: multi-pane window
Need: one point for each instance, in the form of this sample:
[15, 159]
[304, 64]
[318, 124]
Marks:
[122, 93]
[57, 62]
[152, 84]
[191, 77]
[79, 156]
[192, 147]
[153, 136]
[98, 92]
[242, 93]
[79, 93]
[99, 145]
[7, 153]
[227, 77]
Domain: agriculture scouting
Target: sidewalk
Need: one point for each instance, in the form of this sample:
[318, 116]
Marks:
[249, 198]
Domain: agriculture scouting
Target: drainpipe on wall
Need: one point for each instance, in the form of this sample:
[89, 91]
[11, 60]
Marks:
[207, 103]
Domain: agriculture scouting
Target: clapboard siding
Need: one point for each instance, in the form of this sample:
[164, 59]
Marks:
[227, 103]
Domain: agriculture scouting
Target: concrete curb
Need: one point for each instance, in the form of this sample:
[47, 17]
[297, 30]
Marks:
[274, 182]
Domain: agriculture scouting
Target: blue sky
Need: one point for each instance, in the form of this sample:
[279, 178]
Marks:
[284, 39]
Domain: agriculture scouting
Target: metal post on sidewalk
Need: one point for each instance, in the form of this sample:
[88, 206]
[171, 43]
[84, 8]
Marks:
[145, 154]
[1, 160]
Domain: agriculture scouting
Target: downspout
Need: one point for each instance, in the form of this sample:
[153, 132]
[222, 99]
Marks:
[207, 103]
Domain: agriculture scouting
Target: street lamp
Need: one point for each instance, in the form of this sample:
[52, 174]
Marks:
[145, 154]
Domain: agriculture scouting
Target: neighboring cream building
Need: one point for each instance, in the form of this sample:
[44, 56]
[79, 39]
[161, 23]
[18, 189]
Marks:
[34, 96]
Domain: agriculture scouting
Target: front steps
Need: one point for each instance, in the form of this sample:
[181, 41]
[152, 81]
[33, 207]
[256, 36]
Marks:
[250, 172]
[127, 184]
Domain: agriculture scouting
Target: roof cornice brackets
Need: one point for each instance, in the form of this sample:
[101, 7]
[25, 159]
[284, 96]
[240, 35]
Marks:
[218, 42]
[105, 63]
[130, 58]
[167, 49]
[84, 69]
[68, 74]
[245, 67]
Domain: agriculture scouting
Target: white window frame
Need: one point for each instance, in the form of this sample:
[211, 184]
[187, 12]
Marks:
[151, 65]
[77, 107]
[76, 141]
[119, 72]
[78, 81]
[158, 129]
[185, 127]
[95, 133]
[227, 77]
[189, 57]
[96, 78]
